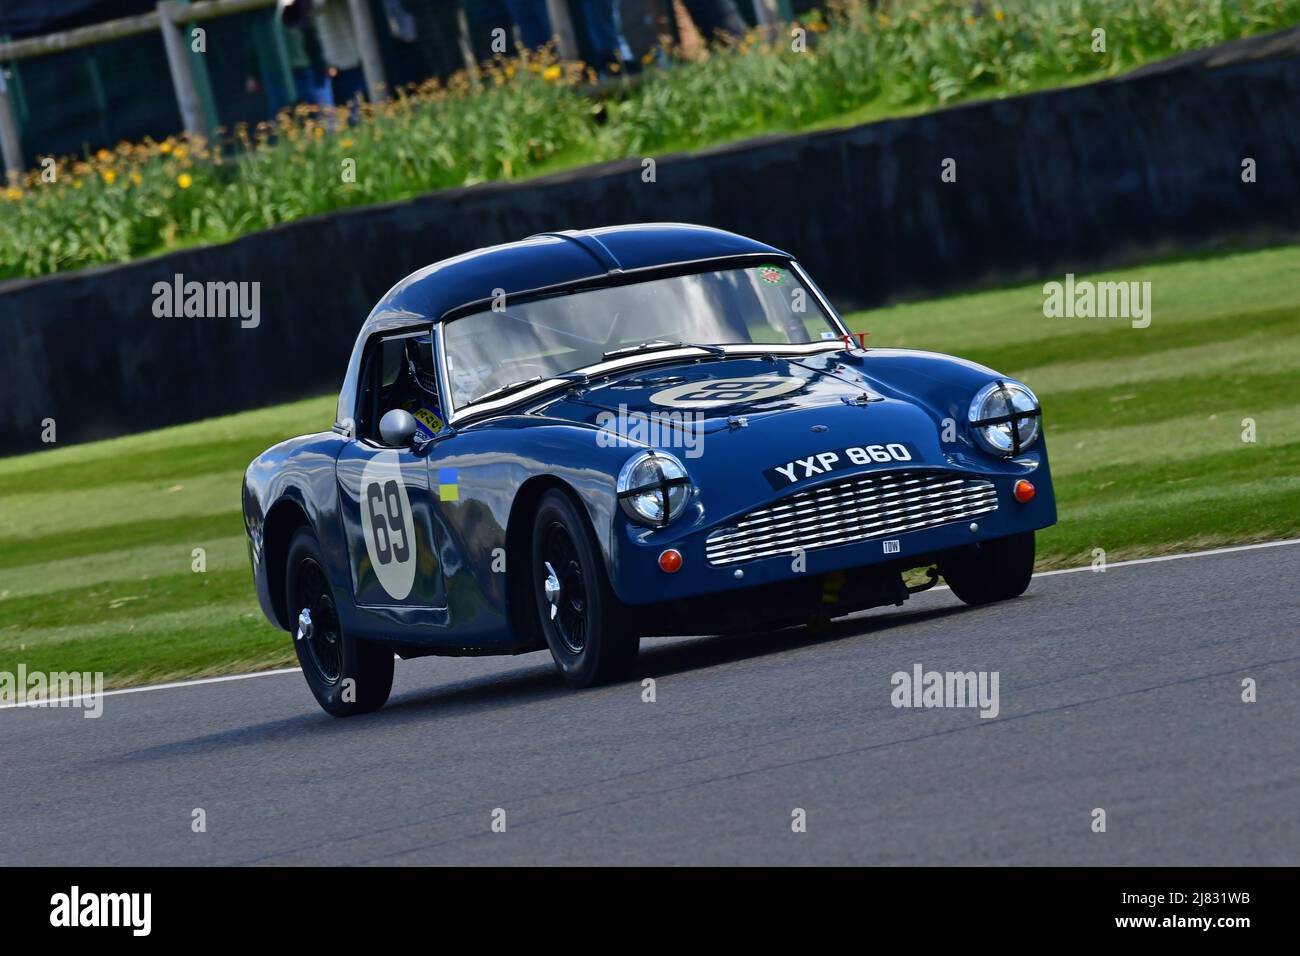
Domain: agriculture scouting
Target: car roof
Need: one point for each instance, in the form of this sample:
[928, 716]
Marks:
[557, 258]
[547, 259]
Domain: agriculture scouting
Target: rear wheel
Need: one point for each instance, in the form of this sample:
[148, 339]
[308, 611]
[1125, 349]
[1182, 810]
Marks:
[992, 570]
[348, 676]
[584, 623]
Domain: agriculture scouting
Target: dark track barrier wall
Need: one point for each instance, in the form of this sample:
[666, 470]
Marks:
[1067, 180]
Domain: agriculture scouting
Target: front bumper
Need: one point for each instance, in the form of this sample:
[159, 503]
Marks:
[637, 579]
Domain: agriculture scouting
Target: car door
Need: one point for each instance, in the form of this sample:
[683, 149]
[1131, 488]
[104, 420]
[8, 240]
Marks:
[386, 503]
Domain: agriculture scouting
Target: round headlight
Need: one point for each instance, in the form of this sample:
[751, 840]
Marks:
[653, 488]
[1005, 418]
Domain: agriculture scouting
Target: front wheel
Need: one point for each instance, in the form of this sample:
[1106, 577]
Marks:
[347, 676]
[584, 623]
[992, 570]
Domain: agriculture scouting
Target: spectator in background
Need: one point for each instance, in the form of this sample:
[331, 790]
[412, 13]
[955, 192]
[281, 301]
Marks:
[305, 57]
[532, 22]
[597, 20]
[714, 17]
[530, 18]
[611, 52]
[401, 24]
[333, 22]
[437, 37]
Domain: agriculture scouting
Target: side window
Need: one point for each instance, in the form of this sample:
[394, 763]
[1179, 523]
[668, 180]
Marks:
[398, 372]
[390, 358]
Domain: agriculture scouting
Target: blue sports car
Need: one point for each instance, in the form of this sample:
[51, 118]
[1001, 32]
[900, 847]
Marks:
[585, 437]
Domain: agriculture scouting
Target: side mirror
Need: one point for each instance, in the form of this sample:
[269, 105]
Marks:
[397, 428]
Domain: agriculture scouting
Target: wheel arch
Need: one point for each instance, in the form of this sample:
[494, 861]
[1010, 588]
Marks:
[519, 571]
[285, 517]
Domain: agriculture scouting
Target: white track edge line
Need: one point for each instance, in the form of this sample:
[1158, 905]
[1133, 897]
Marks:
[140, 690]
[1156, 560]
[941, 587]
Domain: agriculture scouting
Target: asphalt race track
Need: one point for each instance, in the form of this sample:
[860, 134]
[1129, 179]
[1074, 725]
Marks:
[1120, 691]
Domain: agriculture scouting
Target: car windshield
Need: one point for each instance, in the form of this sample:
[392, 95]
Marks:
[497, 348]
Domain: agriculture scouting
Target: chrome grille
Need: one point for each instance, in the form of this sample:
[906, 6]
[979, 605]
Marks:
[871, 506]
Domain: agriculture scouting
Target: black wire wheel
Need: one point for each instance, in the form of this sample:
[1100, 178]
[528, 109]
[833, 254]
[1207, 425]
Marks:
[347, 676]
[565, 586]
[318, 622]
[584, 623]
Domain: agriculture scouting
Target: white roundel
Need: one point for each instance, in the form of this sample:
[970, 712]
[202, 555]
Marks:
[713, 392]
[388, 525]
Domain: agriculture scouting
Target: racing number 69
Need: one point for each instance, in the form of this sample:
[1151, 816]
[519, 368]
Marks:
[387, 522]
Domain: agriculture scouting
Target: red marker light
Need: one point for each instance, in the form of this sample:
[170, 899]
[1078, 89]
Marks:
[1024, 491]
[670, 562]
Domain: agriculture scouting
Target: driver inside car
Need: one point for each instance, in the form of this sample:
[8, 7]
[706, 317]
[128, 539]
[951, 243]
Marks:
[423, 404]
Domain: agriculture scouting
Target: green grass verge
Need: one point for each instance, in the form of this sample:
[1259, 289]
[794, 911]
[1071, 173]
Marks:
[1144, 427]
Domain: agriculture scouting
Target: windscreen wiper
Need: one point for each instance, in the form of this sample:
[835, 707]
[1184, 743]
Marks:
[580, 378]
[655, 345]
[507, 389]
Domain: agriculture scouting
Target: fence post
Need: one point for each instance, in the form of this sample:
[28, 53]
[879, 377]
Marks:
[10, 144]
[371, 63]
[178, 61]
[562, 28]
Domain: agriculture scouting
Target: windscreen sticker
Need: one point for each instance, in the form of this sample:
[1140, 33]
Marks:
[771, 275]
[826, 462]
[716, 392]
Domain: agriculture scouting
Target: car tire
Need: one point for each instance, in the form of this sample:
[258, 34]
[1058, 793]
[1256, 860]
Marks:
[585, 625]
[348, 676]
[992, 570]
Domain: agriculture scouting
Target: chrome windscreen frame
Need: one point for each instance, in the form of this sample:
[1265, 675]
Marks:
[542, 388]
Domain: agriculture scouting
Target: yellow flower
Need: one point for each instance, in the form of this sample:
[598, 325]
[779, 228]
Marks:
[76, 184]
[185, 180]
[179, 151]
[109, 175]
[103, 155]
[14, 193]
[345, 143]
[136, 178]
[552, 72]
[165, 147]
[998, 15]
